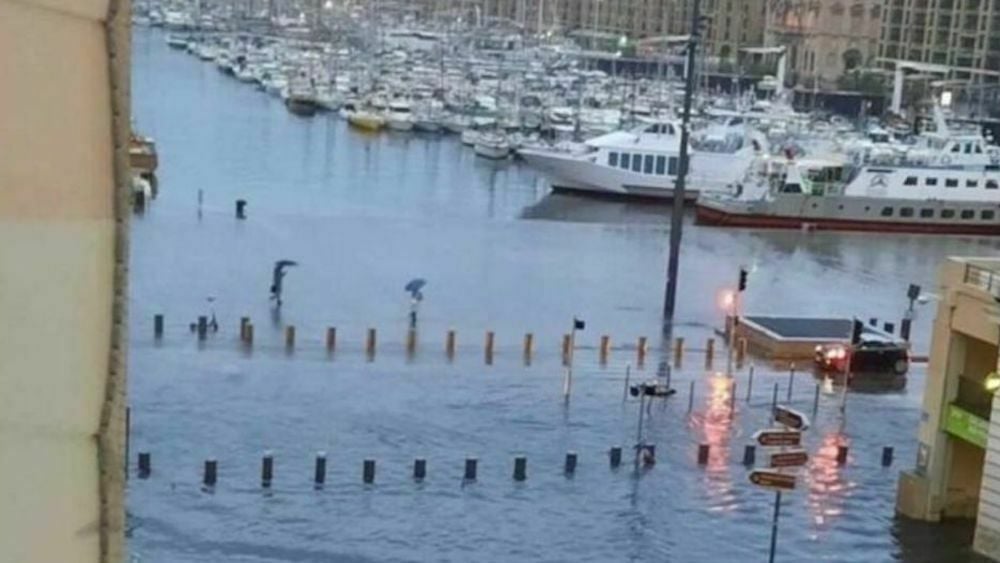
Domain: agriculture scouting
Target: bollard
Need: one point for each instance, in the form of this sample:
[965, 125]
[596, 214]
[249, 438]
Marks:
[678, 352]
[489, 348]
[691, 397]
[774, 398]
[202, 327]
[703, 450]
[641, 351]
[158, 326]
[605, 347]
[886, 456]
[289, 338]
[741, 352]
[449, 344]
[368, 471]
[904, 329]
[470, 468]
[750, 383]
[709, 352]
[566, 345]
[841, 455]
[889, 327]
[749, 455]
[331, 339]
[816, 399]
[249, 335]
[266, 470]
[732, 400]
[319, 474]
[628, 374]
[528, 341]
[615, 456]
[791, 381]
[209, 477]
[569, 467]
[411, 342]
[244, 321]
[419, 469]
[145, 465]
[241, 209]
[370, 344]
[520, 468]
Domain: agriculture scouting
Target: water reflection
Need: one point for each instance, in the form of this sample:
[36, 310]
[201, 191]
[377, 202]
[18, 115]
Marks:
[715, 426]
[827, 488]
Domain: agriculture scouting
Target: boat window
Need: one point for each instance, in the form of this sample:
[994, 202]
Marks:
[626, 158]
[672, 166]
[971, 184]
[968, 214]
[910, 181]
[906, 212]
[992, 185]
[792, 188]
[951, 183]
[979, 149]
[661, 165]
[947, 213]
[613, 159]
[930, 181]
[647, 167]
[987, 215]
[636, 162]
[926, 213]
[968, 148]
[887, 212]
[956, 148]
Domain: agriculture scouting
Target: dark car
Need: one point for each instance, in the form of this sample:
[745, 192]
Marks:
[875, 363]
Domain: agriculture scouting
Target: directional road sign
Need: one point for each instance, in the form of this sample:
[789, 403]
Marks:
[778, 437]
[789, 458]
[772, 480]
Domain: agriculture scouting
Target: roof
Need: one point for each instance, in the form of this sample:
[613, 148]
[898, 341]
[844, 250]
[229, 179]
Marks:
[819, 329]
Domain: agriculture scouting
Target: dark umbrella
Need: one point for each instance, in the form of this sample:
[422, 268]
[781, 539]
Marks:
[414, 287]
[279, 273]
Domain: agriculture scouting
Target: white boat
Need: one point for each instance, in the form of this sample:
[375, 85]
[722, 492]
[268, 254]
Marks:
[643, 162]
[176, 41]
[360, 118]
[399, 116]
[493, 145]
[470, 136]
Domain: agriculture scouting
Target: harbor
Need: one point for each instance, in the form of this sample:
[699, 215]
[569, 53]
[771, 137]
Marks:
[362, 215]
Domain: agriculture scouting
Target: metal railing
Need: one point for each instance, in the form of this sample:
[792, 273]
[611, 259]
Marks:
[984, 278]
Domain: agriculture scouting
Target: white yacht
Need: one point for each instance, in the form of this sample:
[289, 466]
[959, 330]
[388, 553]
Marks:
[492, 144]
[399, 116]
[643, 162]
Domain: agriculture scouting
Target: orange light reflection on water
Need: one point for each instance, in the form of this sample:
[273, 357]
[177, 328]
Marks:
[715, 425]
[824, 477]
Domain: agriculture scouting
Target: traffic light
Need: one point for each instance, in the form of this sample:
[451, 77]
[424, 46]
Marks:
[856, 331]
[743, 279]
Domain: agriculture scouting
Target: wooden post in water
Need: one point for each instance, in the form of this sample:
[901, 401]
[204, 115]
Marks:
[370, 344]
[202, 327]
[244, 321]
[449, 344]
[605, 348]
[248, 335]
[520, 468]
[741, 352]
[529, 340]
[678, 352]
[319, 473]
[489, 348]
[411, 342]
[331, 339]
[709, 353]
[210, 476]
[158, 326]
[641, 352]
[289, 338]
[567, 343]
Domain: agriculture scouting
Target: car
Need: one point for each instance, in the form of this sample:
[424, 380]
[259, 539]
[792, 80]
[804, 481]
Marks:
[875, 363]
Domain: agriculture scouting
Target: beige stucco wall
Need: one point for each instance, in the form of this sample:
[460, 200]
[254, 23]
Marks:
[63, 125]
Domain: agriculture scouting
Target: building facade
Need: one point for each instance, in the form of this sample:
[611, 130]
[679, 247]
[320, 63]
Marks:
[733, 25]
[825, 38]
[632, 18]
[957, 472]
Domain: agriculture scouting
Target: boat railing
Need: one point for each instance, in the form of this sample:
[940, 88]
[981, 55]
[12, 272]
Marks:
[983, 278]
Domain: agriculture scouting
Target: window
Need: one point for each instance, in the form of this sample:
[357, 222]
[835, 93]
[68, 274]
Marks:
[647, 167]
[672, 166]
[956, 148]
[968, 214]
[613, 159]
[910, 181]
[626, 158]
[930, 181]
[887, 212]
[951, 183]
[947, 213]
[636, 162]
[987, 215]
[906, 212]
[926, 213]
[992, 184]
[971, 184]
[661, 165]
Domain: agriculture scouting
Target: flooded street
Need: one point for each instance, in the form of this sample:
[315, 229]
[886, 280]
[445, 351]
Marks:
[365, 214]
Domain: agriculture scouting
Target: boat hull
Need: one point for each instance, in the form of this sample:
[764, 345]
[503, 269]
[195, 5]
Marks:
[305, 108]
[492, 152]
[365, 123]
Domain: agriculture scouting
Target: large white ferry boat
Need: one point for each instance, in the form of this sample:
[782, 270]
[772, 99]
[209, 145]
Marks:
[944, 184]
[643, 162]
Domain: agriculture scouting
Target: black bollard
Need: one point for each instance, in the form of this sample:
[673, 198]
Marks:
[241, 209]
[368, 472]
[749, 455]
[419, 469]
[202, 327]
[841, 455]
[319, 475]
[569, 467]
[145, 465]
[703, 450]
[211, 470]
[886, 456]
[158, 326]
[266, 470]
[520, 468]
[616, 456]
[470, 468]
[904, 329]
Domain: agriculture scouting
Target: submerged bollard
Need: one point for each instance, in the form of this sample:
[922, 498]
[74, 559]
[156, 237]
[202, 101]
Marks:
[470, 468]
[749, 455]
[886, 456]
[641, 351]
[904, 329]
[244, 321]
[691, 397]
[331, 339]
[841, 455]
[419, 469]
[567, 343]
[732, 400]
[569, 467]
[370, 344]
[290, 338]
[145, 465]
[449, 344]
[202, 327]
[819, 385]
[520, 468]
[605, 348]
[158, 326]
[750, 383]
[529, 340]
[266, 469]
[411, 342]
[210, 475]
[615, 456]
[241, 209]
[791, 381]
[709, 352]
[678, 351]
[249, 335]
[703, 450]
[368, 471]
[774, 398]
[319, 473]
[489, 348]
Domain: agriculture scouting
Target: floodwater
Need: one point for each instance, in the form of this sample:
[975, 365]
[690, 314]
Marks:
[365, 214]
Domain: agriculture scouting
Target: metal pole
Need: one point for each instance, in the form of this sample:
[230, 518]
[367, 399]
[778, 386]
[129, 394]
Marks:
[732, 334]
[677, 213]
[638, 436]
[628, 372]
[774, 525]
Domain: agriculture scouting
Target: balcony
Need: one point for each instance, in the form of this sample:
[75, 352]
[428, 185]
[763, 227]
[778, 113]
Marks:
[984, 275]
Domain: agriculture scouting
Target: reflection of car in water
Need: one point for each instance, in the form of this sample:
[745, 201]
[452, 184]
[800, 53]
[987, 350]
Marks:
[875, 363]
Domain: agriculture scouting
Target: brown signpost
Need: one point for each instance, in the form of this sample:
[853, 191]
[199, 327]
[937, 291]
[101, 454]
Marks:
[778, 437]
[790, 458]
[772, 480]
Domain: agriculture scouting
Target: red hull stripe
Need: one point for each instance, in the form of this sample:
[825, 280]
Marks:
[710, 216]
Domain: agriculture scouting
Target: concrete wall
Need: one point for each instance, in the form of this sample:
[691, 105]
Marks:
[987, 538]
[63, 170]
